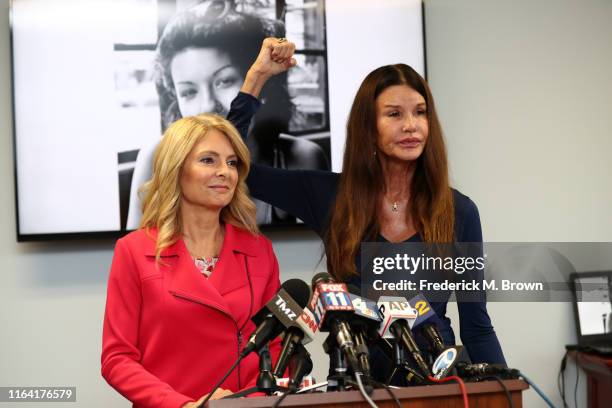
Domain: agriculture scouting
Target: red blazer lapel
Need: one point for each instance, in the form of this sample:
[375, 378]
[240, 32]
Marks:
[238, 254]
[231, 271]
[231, 276]
[184, 279]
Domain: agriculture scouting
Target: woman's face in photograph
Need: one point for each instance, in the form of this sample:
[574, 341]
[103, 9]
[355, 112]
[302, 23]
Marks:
[402, 124]
[210, 172]
[205, 81]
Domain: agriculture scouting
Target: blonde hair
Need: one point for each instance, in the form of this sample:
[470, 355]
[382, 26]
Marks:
[161, 205]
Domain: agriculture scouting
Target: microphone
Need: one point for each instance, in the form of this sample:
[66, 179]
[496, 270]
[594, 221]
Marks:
[280, 312]
[392, 309]
[300, 365]
[265, 381]
[484, 369]
[427, 323]
[332, 308]
[431, 333]
[283, 309]
[302, 331]
[365, 323]
[366, 314]
[397, 318]
[445, 362]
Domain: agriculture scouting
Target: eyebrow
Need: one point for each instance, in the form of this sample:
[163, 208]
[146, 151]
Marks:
[213, 153]
[213, 75]
[388, 105]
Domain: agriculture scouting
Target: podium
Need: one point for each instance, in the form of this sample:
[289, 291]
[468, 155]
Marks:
[599, 377]
[486, 394]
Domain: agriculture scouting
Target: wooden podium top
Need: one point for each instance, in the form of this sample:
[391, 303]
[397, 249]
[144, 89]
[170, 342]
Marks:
[593, 362]
[483, 394]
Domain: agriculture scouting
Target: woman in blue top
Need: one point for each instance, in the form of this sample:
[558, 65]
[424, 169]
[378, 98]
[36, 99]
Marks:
[394, 185]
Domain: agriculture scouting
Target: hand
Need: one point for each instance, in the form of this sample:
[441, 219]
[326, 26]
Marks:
[275, 56]
[218, 394]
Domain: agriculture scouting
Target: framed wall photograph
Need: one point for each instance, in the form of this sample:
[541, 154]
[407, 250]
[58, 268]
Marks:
[95, 84]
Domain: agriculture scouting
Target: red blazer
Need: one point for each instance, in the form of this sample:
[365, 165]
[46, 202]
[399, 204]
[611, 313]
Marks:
[169, 333]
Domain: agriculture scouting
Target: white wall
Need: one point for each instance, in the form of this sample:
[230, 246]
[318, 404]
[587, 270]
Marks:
[523, 95]
[524, 92]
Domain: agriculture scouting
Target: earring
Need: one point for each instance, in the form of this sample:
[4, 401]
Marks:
[374, 152]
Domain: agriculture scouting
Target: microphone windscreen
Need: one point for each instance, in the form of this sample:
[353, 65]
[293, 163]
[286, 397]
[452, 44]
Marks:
[298, 290]
[322, 277]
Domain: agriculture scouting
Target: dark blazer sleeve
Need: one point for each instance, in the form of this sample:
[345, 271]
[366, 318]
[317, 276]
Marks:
[476, 330]
[121, 357]
[305, 194]
[242, 110]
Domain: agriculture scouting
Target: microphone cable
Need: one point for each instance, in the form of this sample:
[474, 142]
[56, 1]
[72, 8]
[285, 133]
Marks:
[363, 391]
[461, 387]
[561, 379]
[537, 389]
[576, 386]
[281, 398]
[390, 391]
[506, 390]
[278, 402]
[220, 382]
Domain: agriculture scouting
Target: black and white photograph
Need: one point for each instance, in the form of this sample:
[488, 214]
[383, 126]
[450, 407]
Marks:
[197, 65]
[118, 73]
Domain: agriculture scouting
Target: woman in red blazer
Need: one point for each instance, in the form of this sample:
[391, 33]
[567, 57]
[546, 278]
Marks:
[183, 288]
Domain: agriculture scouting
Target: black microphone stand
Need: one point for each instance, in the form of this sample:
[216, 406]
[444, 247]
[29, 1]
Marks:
[337, 378]
[299, 365]
[401, 365]
[363, 353]
[266, 382]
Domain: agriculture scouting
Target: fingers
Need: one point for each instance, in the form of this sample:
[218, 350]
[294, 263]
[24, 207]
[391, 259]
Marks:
[290, 62]
[281, 50]
[275, 56]
[220, 393]
[200, 401]
[195, 404]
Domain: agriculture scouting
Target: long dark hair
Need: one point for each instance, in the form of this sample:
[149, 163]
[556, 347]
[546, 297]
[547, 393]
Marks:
[240, 35]
[362, 179]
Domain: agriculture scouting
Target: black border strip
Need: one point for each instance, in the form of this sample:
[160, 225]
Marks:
[97, 235]
[14, 121]
[424, 40]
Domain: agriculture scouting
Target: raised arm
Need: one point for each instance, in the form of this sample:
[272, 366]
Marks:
[305, 194]
[275, 57]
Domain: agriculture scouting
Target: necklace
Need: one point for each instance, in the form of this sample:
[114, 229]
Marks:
[203, 248]
[394, 207]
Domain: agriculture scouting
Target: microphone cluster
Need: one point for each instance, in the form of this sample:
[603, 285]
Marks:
[286, 314]
[354, 324]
